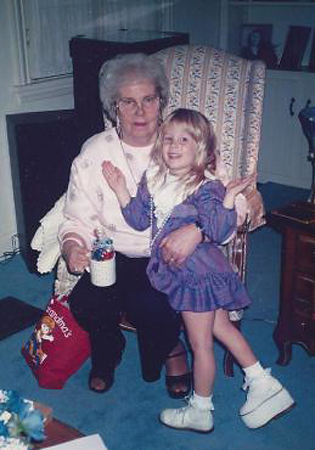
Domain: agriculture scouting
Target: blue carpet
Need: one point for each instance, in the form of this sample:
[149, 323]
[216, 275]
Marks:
[126, 416]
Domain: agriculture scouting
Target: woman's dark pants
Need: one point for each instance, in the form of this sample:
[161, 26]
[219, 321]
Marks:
[98, 310]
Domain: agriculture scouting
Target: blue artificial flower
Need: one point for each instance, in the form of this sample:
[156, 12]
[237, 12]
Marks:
[24, 408]
[4, 397]
[10, 401]
[16, 403]
[22, 419]
[4, 431]
[33, 425]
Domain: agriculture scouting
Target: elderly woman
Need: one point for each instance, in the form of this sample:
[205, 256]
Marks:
[133, 91]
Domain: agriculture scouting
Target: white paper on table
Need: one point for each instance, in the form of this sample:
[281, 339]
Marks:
[94, 442]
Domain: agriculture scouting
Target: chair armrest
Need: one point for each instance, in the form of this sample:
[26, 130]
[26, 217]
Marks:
[236, 250]
[255, 208]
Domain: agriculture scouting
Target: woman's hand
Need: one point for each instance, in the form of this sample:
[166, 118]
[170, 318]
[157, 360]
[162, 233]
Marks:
[180, 244]
[117, 182]
[75, 255]
[235, 187]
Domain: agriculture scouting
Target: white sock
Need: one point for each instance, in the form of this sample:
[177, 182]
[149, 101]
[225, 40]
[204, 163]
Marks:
[202, 402]
[254, 371]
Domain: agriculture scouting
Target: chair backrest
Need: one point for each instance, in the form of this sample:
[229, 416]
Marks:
[228, 90]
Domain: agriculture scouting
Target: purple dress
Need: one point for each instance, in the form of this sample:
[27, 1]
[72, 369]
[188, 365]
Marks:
[206, 280]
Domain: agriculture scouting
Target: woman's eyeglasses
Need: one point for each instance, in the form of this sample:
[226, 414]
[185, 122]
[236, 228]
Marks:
[130, 105]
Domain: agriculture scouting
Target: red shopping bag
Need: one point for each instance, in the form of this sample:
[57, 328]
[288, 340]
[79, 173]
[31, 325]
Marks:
[57, 347]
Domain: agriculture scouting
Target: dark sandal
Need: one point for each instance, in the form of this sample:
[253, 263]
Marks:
[100, 384]
[173, 382]
[104, 383]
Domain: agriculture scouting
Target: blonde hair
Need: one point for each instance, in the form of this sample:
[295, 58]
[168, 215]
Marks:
[201, 130]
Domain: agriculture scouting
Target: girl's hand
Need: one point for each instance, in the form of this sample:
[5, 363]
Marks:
[114, 176]
[76, 256]
[235, 187]
[117, 182]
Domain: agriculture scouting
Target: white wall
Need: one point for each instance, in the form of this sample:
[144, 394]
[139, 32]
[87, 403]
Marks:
[7, 216]
[199, 18]
[16, 100]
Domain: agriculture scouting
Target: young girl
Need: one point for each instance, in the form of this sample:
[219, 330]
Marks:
[178, 188]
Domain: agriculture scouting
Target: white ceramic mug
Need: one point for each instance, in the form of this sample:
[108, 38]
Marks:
[103, 273]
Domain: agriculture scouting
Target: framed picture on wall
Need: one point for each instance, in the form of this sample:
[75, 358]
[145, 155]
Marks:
[294, 48]
[256, 43]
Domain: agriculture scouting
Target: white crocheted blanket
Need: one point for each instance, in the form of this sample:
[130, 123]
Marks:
[45, 240]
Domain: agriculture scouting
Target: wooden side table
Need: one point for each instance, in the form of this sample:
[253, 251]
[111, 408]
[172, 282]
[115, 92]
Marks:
[296, 321]
[58, 432]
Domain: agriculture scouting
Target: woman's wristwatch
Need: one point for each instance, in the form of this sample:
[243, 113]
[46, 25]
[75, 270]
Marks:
[200, 228]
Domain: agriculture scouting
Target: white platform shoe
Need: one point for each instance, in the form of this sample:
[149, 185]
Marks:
[266, 400]
[189, 417]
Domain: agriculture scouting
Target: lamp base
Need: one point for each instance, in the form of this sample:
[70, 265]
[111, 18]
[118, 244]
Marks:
[311, 158]
[311, 198]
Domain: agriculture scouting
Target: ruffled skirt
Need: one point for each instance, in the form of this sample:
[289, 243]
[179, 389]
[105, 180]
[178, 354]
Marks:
[205, 282]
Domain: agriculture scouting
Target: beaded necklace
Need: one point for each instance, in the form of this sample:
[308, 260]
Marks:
[128, 156]
[128, 163]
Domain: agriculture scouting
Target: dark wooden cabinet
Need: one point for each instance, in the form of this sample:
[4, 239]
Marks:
[296, 321]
